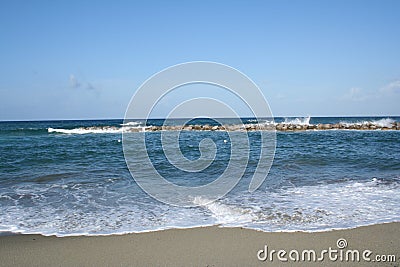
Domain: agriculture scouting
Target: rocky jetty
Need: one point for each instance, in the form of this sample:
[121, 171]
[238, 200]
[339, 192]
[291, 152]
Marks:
[285, 127]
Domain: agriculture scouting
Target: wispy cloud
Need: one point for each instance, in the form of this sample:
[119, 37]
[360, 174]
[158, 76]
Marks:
[391, 88]
[356, 94]
[75, 83]
[90, 86]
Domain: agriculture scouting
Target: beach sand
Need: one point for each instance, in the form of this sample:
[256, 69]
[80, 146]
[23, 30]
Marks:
[204, 246]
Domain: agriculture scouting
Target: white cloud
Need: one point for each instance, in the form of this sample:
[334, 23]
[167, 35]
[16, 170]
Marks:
[385, 92]
[391, 88]
[73, 81]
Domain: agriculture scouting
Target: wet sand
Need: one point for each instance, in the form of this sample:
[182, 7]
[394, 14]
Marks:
[204, 246]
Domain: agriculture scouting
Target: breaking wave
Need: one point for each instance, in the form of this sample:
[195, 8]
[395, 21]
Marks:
[298, 121]
[225, 214]
[387, 122]
[83, 130]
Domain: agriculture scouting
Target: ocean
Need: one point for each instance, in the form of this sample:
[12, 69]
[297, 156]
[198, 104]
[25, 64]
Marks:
[70, 177]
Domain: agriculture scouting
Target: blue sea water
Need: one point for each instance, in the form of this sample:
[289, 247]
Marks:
[70, 178]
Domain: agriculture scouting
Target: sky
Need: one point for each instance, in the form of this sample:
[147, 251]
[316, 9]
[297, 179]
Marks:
[86, 59]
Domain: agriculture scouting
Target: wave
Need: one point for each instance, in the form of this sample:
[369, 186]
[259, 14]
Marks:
[387, 123]
[132, 123]
[383, 122]
[345, 204]
[225, 214]
[89, 130]
[298, 121]
[84, 209]
[98, 130]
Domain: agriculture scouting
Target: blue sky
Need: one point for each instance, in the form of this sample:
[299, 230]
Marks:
[85, 59]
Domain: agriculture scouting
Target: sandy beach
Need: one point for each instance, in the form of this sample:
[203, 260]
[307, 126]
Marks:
[206, 246]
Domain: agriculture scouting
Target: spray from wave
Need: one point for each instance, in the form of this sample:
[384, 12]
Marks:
[131, 123]
[387, 122]
[82, 130]
[138, 126]
[298, 121]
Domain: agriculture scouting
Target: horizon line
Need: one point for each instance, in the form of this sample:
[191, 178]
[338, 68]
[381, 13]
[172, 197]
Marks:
[183, 118]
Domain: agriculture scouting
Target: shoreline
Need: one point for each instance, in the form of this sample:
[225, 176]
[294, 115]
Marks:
[10, 233]
[201, 246]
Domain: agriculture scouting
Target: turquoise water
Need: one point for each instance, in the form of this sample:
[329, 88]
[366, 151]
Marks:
[63, 178]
